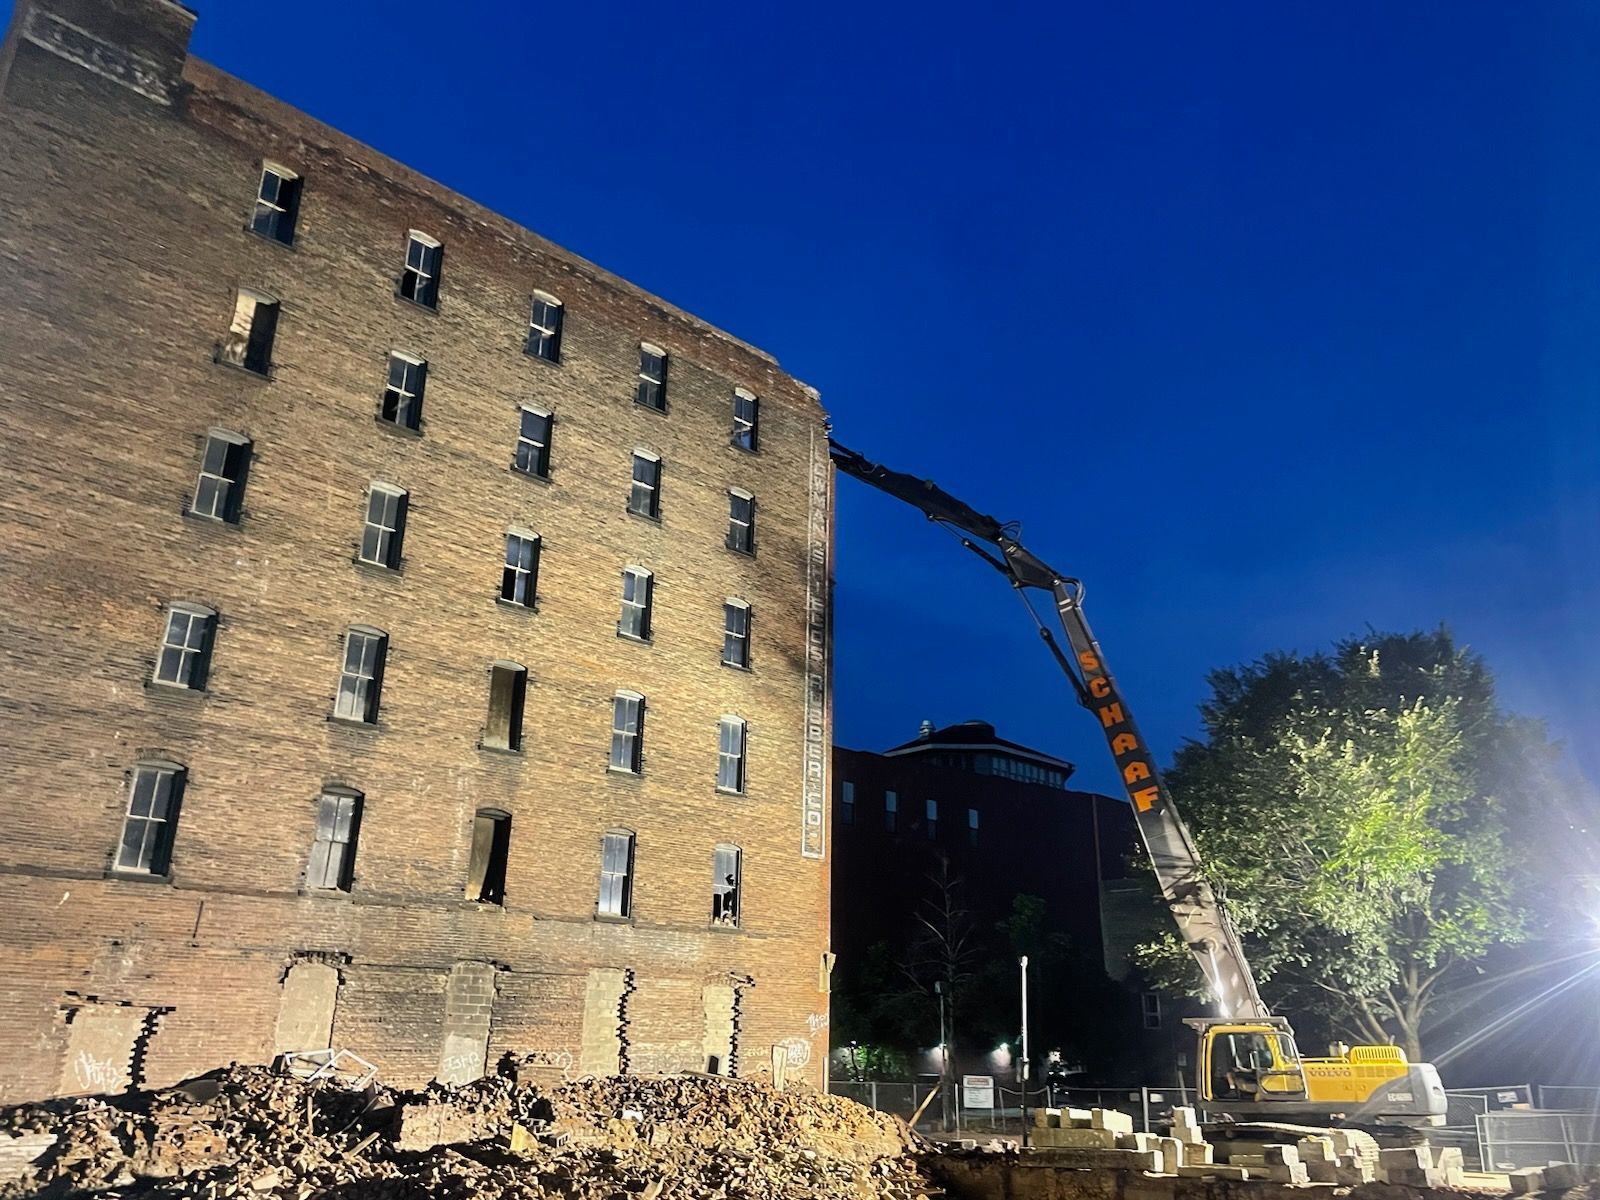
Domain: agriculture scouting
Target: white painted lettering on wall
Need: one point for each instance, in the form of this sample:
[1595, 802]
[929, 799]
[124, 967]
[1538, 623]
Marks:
[817, 1022]
[102, 1074]
[813, 787]
[797, 1051]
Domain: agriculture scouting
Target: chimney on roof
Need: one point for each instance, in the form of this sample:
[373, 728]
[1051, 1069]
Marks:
[926, 731]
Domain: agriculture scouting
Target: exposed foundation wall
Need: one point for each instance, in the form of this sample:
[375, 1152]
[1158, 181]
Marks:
[129, 174]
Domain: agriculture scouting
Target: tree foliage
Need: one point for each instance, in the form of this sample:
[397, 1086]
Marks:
[1367, 814]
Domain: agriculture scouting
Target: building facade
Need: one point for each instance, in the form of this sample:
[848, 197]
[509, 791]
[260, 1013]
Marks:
[417, 636]
[960, 819]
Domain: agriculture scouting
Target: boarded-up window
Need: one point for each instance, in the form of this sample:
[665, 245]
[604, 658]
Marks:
[508, 687]
[491, 845]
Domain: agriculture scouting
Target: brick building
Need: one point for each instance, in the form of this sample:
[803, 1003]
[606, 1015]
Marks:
[999, 820]
[417, 636]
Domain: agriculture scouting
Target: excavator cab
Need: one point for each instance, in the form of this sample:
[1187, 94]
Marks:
[1249, 1062]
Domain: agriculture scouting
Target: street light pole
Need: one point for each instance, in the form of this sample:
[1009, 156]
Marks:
[1022, 1072]
[944, 1060]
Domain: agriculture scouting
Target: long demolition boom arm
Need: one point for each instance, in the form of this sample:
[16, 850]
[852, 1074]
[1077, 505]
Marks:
[1202, 921]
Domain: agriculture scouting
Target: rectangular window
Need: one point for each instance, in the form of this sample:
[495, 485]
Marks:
[533, 443]
[725, 867]
[402, 397]
[249, 341]
[616, 875]
[185, 646]
[891, 811]
[333, 854]
[361, 679]
[508, 692]
[491, 847]
[544, 328]
[223, 465]
[277, 204]
[746, 417]
[1151, 1004]
[151, 819]
[385, 529]
[627, 731]
[638, 587]
[730, 754]
[972, 826]
[652, 378]
[847, 803]
[420, 280]
[736, 633]
[742, 522]
[644, 498]
[931, 812]
[519, 582]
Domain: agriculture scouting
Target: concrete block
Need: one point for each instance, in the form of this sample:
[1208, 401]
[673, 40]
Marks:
[1088, 1139]
[1045, 1117]
[1320, 1170]
[1354, 1175]
[1110, 1119]
[1281, 1156]
[1138, 1141]
[1316, 1149]
[1171, 1150]
[1561, 1175]
[1529, 1179]
[1449, 1158]
[1213, 1171]
[1185, 1117]
[1197, 1154]
[1077, 1118]
[1405, 1158]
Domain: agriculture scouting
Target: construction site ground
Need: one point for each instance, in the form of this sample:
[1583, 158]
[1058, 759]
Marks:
[252, 1132]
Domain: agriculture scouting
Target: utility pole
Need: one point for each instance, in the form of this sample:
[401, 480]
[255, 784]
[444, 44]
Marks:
[944, 1059]
[1022, 1067]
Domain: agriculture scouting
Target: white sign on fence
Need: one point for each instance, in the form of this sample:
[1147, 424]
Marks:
[977, 1091]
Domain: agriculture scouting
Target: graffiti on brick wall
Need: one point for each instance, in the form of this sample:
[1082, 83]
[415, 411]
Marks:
[559, 1060]
[796, 1051]
[666, 1058]
[98, 1074]
[816, 1023]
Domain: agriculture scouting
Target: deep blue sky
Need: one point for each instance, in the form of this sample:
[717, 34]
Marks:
[1270, 321]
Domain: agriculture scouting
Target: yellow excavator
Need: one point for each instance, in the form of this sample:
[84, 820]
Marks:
[1247, 1065]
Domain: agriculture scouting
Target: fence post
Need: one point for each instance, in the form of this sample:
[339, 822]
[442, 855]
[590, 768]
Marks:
[1144, 1103]
[873, 1093]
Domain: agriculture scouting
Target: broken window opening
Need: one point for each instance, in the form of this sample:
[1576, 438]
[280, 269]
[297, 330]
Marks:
[491, 847]
[151, 819]
[638, 587]
[627, 732]
[361, 679]
[730, 754]
[220, 488]
[248, 344]
[333, 851]
[419, 282]
[616, 874]
[277, 204]
[186, 646]
[519, 581]
[385, 527]
[508, 689]
[725, 881]
[533, 443]
[544, 327]
[652, 391]
[402, 397]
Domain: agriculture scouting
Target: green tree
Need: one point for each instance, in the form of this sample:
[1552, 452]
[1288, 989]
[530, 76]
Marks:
[1367, 813]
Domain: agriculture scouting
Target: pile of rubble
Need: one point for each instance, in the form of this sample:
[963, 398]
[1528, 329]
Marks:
[251, 1133]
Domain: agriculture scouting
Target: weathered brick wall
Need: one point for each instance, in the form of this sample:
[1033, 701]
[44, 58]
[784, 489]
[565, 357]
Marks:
[123, 243]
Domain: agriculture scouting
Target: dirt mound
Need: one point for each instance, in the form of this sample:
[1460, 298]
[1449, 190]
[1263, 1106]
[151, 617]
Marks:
[249, 1132]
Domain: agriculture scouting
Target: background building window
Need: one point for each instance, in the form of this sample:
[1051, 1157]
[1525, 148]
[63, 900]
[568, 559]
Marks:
[972, 826]
[616, 874]
[736, 633]
[742, 522]
[508, 691]
[891, 811]
[491, 847]
[361, 678]
[277, 204]
[385, 527]
[533, 443]
[746, 418]
[151, 819]
[544, 328]
[333, 853]
[223, 465]
[519, 581]
[847, 803]
[249, 341]
[730, 754]
[627, 731]
[186, 646]
[652, 378]
[402, 396]
[931, 813]
[1150, 1002]
[419, 282]
[638, 587]
[644, 498]
[725, 868]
